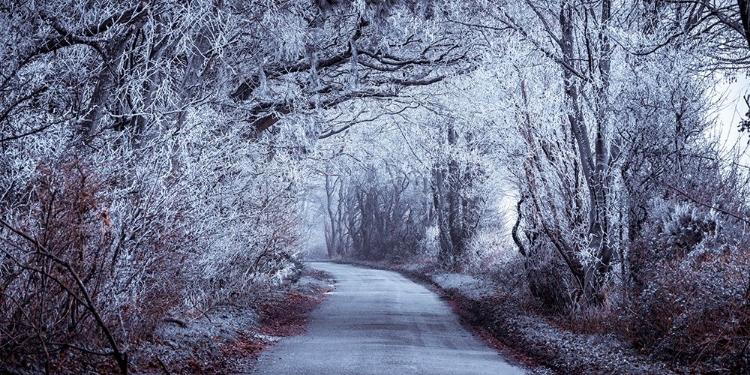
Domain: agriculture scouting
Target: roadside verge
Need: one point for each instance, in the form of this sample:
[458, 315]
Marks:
[521, 334]
[230, 338]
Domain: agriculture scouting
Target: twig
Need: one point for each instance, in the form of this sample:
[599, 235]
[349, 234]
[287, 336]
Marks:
[696, 201]
[176, 321]
[163, 365]
[120, 357]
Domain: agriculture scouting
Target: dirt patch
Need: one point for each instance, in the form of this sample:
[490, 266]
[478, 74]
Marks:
[287, 316]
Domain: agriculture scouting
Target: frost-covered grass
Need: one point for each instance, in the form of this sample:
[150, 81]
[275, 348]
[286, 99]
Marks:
[468, 286]
[229, 338]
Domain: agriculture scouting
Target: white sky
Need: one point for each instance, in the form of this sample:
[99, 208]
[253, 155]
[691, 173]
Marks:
[732, 110]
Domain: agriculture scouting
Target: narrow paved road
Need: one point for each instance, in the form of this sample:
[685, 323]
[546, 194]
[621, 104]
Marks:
[379, 322]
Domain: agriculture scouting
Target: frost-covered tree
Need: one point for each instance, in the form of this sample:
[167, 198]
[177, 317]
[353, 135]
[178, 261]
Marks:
[152, 141]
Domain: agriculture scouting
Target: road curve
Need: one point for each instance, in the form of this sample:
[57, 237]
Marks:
[379, 322]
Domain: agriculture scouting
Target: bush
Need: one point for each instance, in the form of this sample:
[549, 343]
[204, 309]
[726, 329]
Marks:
[690, 289]
[69, 277]
[96, 252]
[549, 279]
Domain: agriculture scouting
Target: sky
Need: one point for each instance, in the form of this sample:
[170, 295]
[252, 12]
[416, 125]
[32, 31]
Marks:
[732, 110]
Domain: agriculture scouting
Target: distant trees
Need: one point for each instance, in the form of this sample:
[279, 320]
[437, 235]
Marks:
[337, 222]
[387, 216]
[456, 174]
[428, 173]
[376, 213]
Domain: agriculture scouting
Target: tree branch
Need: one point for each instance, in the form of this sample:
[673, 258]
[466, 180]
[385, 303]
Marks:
[120, 357]
[69, 39]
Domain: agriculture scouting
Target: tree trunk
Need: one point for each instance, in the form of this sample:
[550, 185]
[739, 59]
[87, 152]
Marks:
[594, 164]
[332, 234]
[445, 255]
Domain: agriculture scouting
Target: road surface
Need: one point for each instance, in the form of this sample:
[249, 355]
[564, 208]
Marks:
[379, 322]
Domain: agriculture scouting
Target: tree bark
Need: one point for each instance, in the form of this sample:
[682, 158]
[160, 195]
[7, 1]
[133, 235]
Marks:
[593, 164]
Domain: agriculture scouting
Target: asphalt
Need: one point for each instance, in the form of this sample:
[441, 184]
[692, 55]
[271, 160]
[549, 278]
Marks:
[379, 322]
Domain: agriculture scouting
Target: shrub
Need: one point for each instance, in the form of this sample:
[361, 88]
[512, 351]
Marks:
[69, 277]
[690, 289]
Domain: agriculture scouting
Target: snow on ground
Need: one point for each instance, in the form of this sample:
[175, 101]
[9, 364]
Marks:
[307, 283]
[193, 344]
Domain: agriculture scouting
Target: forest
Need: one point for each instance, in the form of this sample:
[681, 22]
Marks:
[163, 158]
